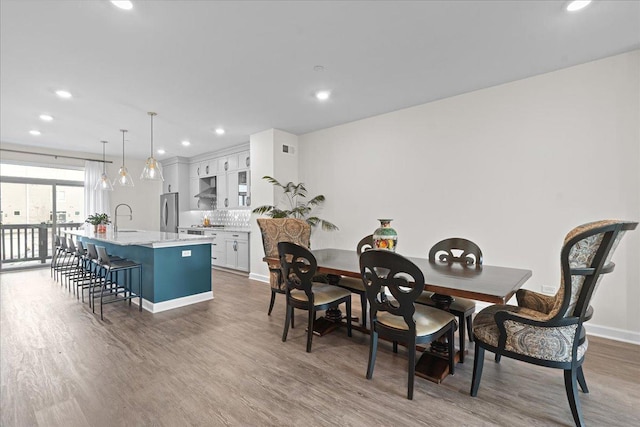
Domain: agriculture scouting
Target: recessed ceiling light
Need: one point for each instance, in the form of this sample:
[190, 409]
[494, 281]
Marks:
[318, 68]
[186, 143]
[63, 94]
[323, 95]
[576, 5]
[161, 151]
[125, 4]
[34, 132]
[46, 117]
[220, 131]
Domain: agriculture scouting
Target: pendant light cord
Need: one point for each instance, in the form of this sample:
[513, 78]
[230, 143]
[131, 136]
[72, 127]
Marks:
[123, 131]
[104, 165]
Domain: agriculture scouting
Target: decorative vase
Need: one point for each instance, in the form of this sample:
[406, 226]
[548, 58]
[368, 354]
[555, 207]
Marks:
[385, 237]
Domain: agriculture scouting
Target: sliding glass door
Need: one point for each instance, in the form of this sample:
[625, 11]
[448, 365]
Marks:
[32, 210]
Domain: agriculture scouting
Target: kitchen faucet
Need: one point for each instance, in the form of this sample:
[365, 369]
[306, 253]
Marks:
[115, 216]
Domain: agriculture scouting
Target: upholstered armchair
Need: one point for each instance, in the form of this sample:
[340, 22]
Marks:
[275, 230]
[548, 330]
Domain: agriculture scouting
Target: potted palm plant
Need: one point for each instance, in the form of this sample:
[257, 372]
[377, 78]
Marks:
[99, 222]
[295, 206]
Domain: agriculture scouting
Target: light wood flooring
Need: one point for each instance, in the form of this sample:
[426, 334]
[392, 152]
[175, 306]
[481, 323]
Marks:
[222, 362]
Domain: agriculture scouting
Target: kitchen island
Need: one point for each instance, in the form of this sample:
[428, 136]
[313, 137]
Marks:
[176, 268]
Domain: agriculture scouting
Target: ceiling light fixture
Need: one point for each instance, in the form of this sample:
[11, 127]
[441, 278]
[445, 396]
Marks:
[160, 151]
[34, 132]
[46, 117]
[577, 5]
[124, 4]
[124, 178]
[323, 95]
[220, 131]
[152, 170]
[103, 183]
[186, 143]
[63, 94]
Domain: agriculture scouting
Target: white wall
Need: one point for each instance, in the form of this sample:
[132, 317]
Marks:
[144, 197]
[512, 167]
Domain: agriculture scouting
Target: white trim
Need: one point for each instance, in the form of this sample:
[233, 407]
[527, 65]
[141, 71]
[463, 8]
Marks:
[616, 334]
[174, 303]
[259, 277]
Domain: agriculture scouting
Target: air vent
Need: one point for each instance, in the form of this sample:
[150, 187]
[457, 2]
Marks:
[288, 149]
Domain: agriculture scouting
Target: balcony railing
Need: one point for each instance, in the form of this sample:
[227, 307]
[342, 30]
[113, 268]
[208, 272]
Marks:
[29, 242]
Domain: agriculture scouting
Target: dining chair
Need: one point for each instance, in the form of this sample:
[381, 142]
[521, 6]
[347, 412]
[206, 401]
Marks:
[398, 318]
[462, 251]
[548, 330]
[354, 284]
[298, 267]
[275, 230]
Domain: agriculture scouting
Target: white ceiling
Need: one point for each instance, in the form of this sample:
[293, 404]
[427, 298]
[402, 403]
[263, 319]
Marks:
[249, 66]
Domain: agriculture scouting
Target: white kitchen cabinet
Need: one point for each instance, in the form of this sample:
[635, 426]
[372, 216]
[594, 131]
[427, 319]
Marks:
[175, 172]
[238, 188]
[228, 163]
[237, 251]
[222, 199]
[194, 188]
[218, 255]
[208, 168]
[194, 170]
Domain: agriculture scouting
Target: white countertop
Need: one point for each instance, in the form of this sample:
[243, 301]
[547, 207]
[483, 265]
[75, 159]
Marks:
[155, 239]
[231, 229]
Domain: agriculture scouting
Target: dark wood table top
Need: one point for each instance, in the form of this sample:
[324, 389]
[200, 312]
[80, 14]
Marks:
[489, 283]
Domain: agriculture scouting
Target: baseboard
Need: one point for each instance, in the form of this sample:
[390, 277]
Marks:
[615, 334]
[259, 277]
[174, 303]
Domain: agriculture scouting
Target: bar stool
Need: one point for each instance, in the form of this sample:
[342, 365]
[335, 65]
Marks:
[63, 261]
[109, 283]
[57, 251]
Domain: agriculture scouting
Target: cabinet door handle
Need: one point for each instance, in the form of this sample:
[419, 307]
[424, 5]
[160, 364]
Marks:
[226, 165]
[198, 171]
[248, 161]
[248, 200]
[207, 169]
[235, 245]
[169, 188]
[198, 205]
[226, 202]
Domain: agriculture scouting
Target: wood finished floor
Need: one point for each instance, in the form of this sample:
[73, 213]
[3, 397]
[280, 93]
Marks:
[222, 362]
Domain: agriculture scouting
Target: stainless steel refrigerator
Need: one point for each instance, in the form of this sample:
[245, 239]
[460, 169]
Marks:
[169, 212]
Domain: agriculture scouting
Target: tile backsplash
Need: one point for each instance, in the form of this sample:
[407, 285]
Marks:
[232, 218]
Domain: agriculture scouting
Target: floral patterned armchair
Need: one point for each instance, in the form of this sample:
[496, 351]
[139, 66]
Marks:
[548, 330]
[275, 230]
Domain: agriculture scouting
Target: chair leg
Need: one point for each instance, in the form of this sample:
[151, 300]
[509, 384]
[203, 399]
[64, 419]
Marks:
[373, 348]
[461, 332]
[411, 348]
[395, 346]
[470, 327]
[349, 317]
[363, 307]
[478, 362]
[273, 300]
[571, 386]
[312, 316]
[498, 357]
[287, 320]
[582, 381]
[452, 350]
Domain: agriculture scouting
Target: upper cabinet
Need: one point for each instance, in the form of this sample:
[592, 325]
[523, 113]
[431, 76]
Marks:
[175, 172]
[232, 178]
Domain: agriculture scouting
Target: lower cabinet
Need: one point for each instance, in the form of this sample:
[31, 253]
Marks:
[237, 251]
[218, 258]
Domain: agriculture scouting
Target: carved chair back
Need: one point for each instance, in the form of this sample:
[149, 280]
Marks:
[456, 249]
[298, 267]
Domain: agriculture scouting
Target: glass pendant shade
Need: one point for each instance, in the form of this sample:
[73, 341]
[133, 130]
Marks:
[124, 178]
[152, 170]
[103, 184]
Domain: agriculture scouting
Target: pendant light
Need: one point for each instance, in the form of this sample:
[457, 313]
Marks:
[123, 179]
[104, 184]
[152, 170]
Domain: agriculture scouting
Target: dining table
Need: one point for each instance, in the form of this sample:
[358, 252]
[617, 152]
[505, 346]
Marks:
[447, 280]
